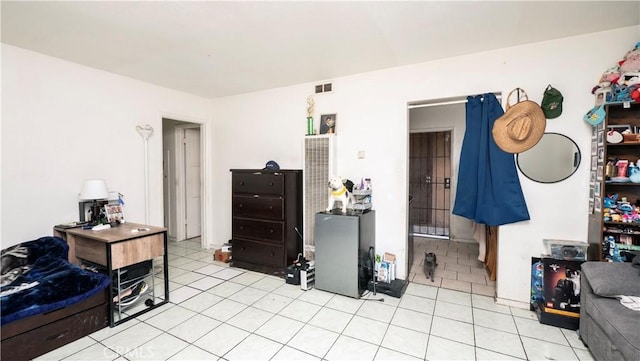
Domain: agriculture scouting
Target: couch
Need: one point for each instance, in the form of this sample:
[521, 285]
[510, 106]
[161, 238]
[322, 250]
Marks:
[610, 330]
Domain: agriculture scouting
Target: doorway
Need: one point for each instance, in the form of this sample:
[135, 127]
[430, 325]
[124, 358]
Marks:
[430, 184]
[182, 179]
[438, 122]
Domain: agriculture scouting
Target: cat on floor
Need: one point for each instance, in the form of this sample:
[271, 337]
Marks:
[430, 263]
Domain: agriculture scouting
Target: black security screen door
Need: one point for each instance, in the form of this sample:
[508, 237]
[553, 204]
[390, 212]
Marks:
[430, 183]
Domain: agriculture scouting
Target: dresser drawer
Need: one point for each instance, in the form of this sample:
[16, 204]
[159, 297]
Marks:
[256, 252]
[263, 207]
[40, 340]
[266, 231]
[258, 183]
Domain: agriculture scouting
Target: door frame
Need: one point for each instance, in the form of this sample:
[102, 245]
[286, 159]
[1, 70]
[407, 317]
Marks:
[455, 133]
[180, 173]
[206, 224]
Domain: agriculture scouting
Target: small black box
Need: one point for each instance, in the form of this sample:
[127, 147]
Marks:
[394, 289]
[293, 275]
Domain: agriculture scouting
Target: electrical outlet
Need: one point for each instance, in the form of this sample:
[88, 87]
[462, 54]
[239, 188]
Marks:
[361, 154]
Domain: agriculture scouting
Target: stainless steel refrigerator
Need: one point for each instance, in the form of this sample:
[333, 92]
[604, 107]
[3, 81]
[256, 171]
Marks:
[345, 252]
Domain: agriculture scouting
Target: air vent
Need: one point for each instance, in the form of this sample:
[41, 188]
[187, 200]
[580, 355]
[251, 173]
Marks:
[324, 88]
[319, 165]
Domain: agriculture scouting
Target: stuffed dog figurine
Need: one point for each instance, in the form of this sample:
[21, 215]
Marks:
[340, 191]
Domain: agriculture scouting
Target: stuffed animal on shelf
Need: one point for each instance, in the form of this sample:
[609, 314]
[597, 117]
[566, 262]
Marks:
[631, 61]
[610, 200]
[340, 191]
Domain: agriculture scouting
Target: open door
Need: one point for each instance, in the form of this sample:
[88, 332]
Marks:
[192, 182]
[182, 179]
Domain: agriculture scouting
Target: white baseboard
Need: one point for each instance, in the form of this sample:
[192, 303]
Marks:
[512, 303]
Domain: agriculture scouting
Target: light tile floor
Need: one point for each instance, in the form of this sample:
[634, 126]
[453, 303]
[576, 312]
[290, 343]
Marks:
[221, 313]
[458, 266]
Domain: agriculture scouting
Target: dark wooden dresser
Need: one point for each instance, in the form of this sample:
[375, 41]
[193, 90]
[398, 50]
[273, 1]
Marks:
[266, 210]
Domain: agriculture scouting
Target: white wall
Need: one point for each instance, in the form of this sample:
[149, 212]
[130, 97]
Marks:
[63, 123]
[373, 116]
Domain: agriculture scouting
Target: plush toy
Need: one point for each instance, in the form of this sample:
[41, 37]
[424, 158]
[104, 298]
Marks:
[340, 190]
[610, 75]
[620, 92]
[630, 217]
[625, 207]
[631, 61]
[629, 78]
[635, 94]
[610, 200]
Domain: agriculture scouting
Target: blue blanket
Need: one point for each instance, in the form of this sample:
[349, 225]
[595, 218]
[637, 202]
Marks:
[37, 278]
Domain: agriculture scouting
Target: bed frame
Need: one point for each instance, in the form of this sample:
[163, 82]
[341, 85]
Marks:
[36, 335]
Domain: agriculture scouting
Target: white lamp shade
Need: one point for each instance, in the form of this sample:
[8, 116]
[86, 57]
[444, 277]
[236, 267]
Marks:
[94, 189]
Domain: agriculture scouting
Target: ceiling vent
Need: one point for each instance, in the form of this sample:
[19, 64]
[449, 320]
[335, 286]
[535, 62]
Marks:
[324, 88]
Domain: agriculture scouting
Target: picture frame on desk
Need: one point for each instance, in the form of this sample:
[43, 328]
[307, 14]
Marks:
[114, 213]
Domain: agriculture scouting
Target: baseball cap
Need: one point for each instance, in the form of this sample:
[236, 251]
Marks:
[272, 165]
[596, 115]
[552, 102]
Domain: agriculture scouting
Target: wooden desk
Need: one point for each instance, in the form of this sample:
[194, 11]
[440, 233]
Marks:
[118, 247]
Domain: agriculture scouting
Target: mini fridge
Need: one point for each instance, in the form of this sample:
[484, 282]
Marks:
[345, 252]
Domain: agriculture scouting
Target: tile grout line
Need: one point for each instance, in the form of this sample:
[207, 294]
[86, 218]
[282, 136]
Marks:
[324, 306]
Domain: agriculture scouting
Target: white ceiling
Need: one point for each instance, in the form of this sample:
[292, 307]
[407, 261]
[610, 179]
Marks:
[214, 49]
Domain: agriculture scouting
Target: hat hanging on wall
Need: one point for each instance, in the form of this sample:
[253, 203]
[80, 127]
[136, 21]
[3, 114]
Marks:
[521, 126]
[552, 102]
[596, 115]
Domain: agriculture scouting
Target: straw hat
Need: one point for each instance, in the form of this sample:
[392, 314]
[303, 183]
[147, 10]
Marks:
[521, 126]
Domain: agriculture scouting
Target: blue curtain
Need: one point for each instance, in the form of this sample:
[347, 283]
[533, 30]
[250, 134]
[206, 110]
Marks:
[488, 189]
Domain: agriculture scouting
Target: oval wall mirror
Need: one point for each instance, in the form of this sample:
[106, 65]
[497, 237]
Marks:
[555, 158]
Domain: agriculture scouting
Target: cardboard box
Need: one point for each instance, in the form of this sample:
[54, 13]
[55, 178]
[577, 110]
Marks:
[221, 256]
[554, 295]
[561, 286]
[389, 257]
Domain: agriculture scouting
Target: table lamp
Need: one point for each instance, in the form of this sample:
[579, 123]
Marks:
[93, 190]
